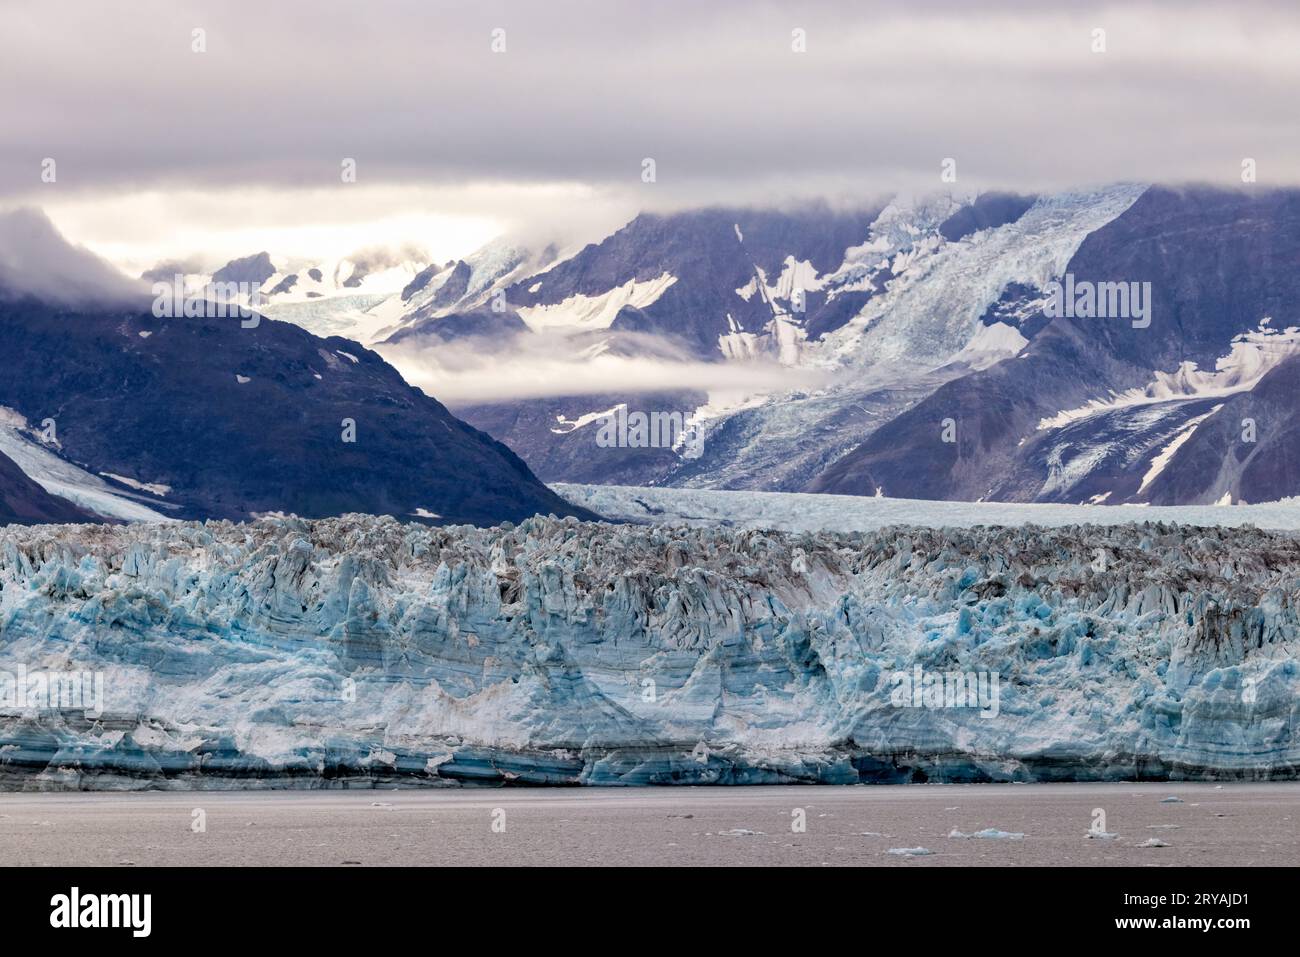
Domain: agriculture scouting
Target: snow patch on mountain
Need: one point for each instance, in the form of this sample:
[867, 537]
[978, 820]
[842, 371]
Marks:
[1250, 357]
[60, 477]
[739, 345]
[990, 344]
[796, 275]
[579, 312]
[153, 488]
[568, 425]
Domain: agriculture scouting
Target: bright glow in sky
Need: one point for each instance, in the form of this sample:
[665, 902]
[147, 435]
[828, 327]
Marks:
[135, 231]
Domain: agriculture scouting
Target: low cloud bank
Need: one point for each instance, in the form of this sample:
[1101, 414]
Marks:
[35, 260]
[532, 366]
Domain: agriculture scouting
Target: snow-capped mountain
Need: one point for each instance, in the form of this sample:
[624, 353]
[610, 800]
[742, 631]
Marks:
[720, 282]
[910, 347]
[1192, 403]
[130, 414]
[466, 285]
[370, 295]
[868, 311]
[709, 287]
[928, 358]
[355, 296]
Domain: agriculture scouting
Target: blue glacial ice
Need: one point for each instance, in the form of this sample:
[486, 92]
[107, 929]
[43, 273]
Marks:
[360, 651]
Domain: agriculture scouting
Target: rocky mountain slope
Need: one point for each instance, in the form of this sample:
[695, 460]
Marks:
[219, 420]
[23, 502]
[907, 347]
[1194, 407]
[852, 318]
[146, 413]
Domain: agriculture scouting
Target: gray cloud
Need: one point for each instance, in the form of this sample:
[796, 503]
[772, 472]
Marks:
[35, 260]
[711, 91]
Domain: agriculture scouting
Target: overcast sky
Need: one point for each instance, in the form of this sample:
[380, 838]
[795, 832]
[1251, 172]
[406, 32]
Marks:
[162, 151]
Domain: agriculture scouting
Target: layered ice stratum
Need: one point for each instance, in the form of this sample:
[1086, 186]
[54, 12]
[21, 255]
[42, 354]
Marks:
[359, 651]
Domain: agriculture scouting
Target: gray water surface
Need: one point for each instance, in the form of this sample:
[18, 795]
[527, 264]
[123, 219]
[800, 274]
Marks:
[1234, 825]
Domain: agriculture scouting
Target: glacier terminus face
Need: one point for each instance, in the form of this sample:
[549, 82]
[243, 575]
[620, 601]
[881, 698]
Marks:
[359, 651]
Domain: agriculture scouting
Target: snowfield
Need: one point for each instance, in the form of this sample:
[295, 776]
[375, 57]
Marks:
[60, 477]
[809, 512]
[359, 650]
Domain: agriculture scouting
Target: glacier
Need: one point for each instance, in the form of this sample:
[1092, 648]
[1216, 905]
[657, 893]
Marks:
[361, 651]
[822, 511]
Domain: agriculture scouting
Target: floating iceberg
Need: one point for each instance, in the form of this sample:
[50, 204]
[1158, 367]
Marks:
[360, 651]
[991, 834]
